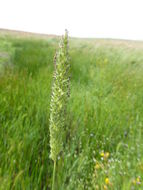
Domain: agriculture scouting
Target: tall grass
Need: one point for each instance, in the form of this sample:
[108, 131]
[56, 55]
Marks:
[60, 94]
[24, 138]
[104, 143]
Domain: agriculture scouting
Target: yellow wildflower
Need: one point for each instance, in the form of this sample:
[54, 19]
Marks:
[106, 155]
[138, 181]
[102, 154]
[105, 187]
[107, 181]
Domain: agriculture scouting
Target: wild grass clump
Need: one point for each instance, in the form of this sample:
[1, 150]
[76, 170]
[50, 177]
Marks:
[24, 138]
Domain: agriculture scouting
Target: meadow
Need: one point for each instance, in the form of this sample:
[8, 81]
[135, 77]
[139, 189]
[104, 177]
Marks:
[104, 126]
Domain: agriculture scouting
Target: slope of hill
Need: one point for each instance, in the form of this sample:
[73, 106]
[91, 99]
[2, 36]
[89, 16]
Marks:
[104, 144]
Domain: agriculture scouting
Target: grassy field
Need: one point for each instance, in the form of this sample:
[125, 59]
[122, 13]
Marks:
[104, 144]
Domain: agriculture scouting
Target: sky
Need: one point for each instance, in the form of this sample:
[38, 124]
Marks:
[121, 19]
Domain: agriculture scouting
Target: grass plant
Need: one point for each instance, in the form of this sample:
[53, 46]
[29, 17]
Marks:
[59, 99]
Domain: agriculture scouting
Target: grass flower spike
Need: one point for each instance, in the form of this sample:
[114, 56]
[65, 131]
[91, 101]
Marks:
[60, 94]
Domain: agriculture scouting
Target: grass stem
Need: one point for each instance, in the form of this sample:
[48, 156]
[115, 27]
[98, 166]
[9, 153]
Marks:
[54, 172]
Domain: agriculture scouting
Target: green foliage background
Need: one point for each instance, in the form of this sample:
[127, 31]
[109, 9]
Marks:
[105, 114]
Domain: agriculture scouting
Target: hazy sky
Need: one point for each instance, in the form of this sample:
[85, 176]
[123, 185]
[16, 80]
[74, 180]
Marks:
[83, 18]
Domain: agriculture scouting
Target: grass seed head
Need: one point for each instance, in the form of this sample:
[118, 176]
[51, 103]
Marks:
[60, 94]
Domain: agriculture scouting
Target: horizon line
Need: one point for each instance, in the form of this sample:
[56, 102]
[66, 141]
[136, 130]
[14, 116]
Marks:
[55, 35]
